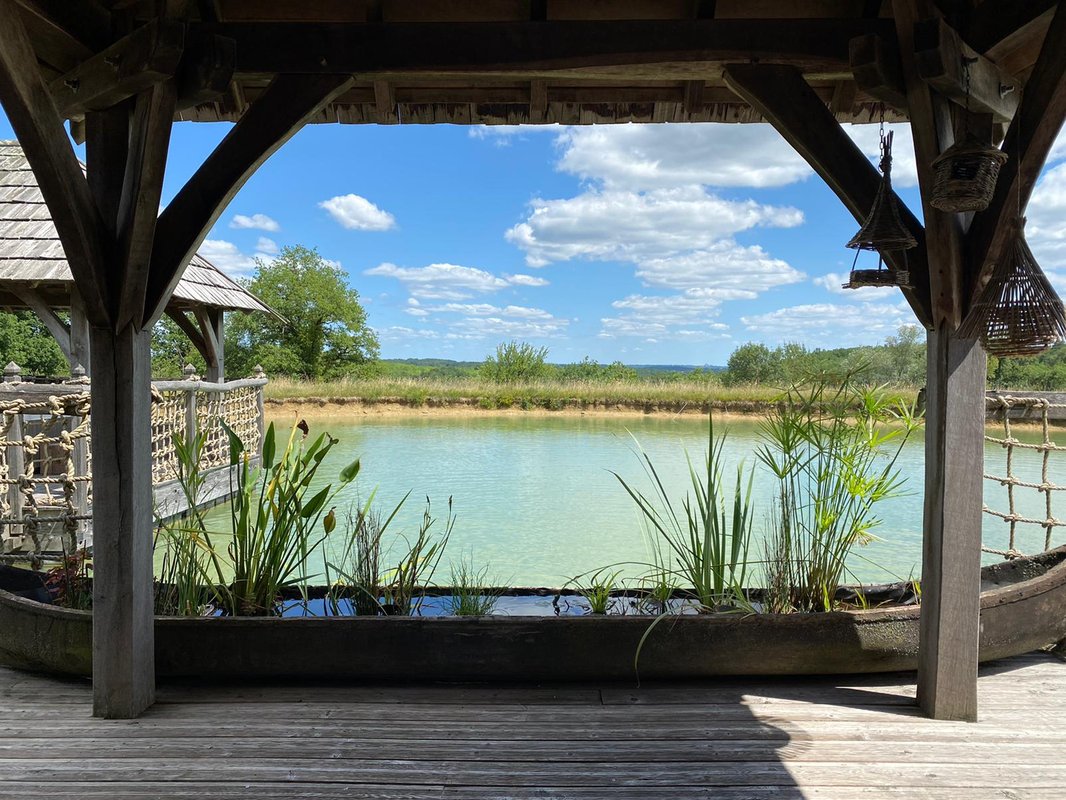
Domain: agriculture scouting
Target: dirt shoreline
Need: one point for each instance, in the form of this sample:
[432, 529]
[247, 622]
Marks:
[396, 407]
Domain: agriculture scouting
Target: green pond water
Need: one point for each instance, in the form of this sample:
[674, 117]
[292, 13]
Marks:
[535, 499]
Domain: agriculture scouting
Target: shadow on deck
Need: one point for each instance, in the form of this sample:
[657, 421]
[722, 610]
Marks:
[756, 738]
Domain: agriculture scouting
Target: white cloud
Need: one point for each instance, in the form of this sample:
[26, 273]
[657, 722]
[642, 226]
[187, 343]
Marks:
[525, 280]
[357, 213]
[666, 156]
[1046, 224]
[446, 281]
[627, 226]
[833, 282]
[688, 316]
[904, 166]
[488, 310]
[259, 222]
[832, 324]
[399, 333]
[268, 246]
[723, 267]
[505, 135]
[503, 328]
[227, 257]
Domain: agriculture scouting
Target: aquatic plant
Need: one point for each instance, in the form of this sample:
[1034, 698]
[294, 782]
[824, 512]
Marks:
[358, 563]
[703, 546]
[833, 449]
[598, 588]
[69, 583]
[274, 524]
[415, 569]
[473, 593]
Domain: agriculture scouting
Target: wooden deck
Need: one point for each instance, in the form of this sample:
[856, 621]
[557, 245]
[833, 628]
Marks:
[757, 739]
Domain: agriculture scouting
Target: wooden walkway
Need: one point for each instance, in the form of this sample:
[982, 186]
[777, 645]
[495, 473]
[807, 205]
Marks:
[756, 739]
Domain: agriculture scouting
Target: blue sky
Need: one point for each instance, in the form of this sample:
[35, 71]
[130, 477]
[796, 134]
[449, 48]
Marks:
[645, 244]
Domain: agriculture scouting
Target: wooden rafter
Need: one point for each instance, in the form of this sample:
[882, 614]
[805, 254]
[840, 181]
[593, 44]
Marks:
[876, 70]
[206, 70]
[524, 46]
[32, 113]
[269, 122]
[1029, 139]
[84, 27]
[787, 102]
[194, 331]
[146, 56]
[999, 23]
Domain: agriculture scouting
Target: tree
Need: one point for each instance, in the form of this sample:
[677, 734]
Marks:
[753, 363]
[515, 362]
[25, 340]
[324, 333]
[172, 350]
[906, 354]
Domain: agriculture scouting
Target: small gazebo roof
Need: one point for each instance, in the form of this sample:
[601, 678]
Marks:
[32, 255]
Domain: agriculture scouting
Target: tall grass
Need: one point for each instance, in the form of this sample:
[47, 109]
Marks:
[706, 547]
[833, 450]
[474, 594]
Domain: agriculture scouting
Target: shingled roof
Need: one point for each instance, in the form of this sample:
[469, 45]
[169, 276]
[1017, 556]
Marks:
[31, 253]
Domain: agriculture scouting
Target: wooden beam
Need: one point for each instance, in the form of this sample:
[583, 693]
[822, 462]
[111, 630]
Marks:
[538, 101]
[123, 631]
[85, 26]
[522, 46]
[59, 330]
[951, 555]
[206, 70]
[1029, 140]
[269, 122]
[148, 55]
[781, 95]
[79, 333]
[211, 323]
[943, 62]
[191, 330]
[693, 101]
[32, 113]
[996, 24]
[384, 103]
[141, 192]
[877, 71]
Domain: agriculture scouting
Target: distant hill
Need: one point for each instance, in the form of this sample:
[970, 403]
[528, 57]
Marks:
[449, 364]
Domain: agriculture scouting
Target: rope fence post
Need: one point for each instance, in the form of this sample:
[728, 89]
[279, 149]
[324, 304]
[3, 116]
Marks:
[259, 374]
[15, 454]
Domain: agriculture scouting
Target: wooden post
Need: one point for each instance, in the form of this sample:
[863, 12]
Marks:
[190, 404]
[951, 554]
[260, 409]
[80, 463]
[123, 633]
[217, 372]
[79, 333]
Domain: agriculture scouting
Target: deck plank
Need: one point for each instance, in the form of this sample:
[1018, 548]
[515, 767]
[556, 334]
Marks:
[830, 738]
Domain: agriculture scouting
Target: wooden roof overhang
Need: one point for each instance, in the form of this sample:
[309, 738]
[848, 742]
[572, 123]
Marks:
[121, 71]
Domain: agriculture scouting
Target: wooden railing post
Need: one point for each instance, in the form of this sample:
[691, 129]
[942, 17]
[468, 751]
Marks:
[190, 405]
[16, 456]
[258, 372]
[79, 461]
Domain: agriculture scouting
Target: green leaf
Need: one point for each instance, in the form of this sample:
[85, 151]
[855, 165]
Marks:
[314, 505]
[269, 447]
[349, 472]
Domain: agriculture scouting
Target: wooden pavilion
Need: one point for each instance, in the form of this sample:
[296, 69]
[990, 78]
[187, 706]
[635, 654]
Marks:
[35, 275]
[122, 71]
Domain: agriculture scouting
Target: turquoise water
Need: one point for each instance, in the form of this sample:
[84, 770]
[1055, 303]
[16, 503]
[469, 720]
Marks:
[535, 500]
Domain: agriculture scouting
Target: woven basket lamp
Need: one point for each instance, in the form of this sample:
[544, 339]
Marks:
[965, 176]
[883, 231]
[1018, 312]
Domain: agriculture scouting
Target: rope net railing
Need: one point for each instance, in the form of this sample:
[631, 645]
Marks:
[1028, 469]
[46, 452]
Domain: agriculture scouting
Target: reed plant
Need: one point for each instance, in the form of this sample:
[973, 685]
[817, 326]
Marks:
[598, 588]
[402, 585]
[473, 592]
[832, 448]
[697, 539]
[354, 571]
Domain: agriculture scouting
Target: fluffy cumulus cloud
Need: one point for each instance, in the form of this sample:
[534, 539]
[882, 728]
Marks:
[267, 246]
[259, 222]
[689, 316]
[483, 320]
[357, 213]
[503, 327]
[665, 156]
[723, 267]
[231, 259]
[448, 281]
[613, 225]
[831, 324]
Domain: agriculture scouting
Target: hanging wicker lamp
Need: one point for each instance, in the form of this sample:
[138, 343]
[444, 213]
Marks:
[965, 176]
[1018, 312]
[883, 231]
